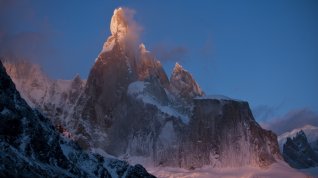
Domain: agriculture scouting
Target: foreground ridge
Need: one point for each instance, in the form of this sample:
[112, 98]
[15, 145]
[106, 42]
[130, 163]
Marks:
[31, 147]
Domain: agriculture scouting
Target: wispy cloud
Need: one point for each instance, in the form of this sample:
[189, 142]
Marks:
[165, 52]
[22, 33]
[293, 119]
[265, 113]
[134, 28]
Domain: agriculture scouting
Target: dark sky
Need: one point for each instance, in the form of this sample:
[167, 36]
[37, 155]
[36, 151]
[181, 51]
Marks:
[265, 52]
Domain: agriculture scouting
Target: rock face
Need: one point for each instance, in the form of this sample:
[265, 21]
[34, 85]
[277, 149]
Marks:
[298, 153]
[183, 85]
[224, 133]
[31, 147]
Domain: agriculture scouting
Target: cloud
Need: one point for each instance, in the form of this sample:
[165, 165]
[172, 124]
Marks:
[22, 33]
[27, 45]
[265, 113]
[135, 29]
[292, 120]
[124, 25]
[167, 53]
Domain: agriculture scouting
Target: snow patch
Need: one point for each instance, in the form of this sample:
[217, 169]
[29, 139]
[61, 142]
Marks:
[138, 90]
[137, 87]
[216, 97]
[101, 152]
[66, 149]
[5, 111]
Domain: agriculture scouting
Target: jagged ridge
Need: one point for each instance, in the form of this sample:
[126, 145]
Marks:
[31, 147]
[299, 151]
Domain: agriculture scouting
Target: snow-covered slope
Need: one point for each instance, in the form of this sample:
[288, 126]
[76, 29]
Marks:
[142, 91]
[53, 98]
[31, 147]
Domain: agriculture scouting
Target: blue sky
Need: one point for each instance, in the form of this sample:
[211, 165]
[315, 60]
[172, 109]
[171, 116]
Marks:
[265, 52]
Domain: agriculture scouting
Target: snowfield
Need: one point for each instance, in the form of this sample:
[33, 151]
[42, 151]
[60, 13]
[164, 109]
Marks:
[276, 170]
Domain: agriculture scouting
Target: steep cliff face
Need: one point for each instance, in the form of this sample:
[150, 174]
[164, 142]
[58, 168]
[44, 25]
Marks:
[224, 133]
[31, 147]
[220, 133]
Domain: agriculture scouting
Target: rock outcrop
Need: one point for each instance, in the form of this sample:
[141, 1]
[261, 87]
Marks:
[298, 153]
[183, 85]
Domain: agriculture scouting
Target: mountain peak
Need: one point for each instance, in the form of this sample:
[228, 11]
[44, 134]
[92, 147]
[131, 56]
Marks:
[119, 26]
[177, 68]
[183, 84]
[119, 23]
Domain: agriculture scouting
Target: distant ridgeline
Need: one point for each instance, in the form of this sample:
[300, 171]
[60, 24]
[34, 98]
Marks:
[300, 147]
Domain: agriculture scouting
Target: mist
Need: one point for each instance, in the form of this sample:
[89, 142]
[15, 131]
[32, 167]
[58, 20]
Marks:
[22, 34]
[134, 28]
